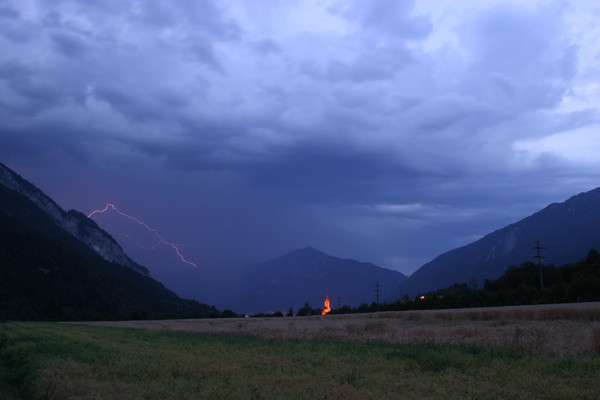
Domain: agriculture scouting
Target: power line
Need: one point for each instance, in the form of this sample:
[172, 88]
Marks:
[377, 291]
[539, 258]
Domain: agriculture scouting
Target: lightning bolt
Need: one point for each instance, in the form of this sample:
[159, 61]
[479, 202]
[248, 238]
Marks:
[160, 238]
[132, 240]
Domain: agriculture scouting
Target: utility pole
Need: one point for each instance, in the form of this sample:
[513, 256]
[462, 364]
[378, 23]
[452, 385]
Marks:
[377, 291]
[539, 258]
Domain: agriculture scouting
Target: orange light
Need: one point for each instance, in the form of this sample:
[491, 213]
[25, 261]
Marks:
[422, 298]
[326, 307]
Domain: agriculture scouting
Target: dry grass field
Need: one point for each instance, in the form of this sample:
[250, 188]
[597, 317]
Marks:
[561, 330]
[442, 354]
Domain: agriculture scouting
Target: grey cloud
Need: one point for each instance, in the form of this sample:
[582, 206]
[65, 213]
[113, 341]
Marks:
[125, 102]
[316, 164]
[68, 45]
[266, 46]
[12, 69]
[196, 26]
[311, 169]
[16, 33]
[391, 17]
[370, 117]
[158, 14]
[380, 50]
[12, 27]
[171, 99]
[189, 19]
[29, 91]
[7, 12]
[428, 132]
[372, 64]
[517, 67]
[145, 105]
[204, 52]
[46, 141]
[28, 97]
[394, 16]
[451, 112]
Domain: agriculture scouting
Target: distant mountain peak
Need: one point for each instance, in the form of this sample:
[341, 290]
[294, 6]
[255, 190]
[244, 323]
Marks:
[307, 275]
[302, 255]
[307, 251]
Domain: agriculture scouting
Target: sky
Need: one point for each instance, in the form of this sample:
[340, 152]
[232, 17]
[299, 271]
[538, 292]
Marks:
[384, 131]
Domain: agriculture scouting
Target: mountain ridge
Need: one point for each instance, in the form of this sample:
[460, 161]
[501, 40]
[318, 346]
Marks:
[306, 275]
[566, 230]
[48, 273]
[72, 221]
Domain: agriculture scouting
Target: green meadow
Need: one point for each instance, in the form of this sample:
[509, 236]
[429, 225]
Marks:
[55, 361]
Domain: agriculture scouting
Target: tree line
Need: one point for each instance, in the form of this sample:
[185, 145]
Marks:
[519, 285]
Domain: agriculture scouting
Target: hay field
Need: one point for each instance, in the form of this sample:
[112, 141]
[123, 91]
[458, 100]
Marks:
[562, 330]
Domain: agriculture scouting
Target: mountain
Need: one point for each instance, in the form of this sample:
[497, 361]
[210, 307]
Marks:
[566, 231]
[74, 222]
[60, 265]
[306, 275]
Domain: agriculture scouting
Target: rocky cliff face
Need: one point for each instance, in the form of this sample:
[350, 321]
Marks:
[74, 222]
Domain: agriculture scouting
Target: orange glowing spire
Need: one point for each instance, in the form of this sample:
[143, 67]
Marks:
[326, 307]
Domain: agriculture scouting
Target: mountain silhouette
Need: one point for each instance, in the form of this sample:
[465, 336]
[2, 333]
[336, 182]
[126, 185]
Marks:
[307, 276]
[60, 265]
[566, 231]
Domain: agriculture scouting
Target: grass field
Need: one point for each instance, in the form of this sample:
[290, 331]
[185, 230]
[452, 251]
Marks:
[63, 361]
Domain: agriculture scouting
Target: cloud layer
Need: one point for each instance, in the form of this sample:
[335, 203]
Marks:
[370, 119]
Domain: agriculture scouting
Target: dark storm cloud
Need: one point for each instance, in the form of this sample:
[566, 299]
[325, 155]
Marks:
[373, 117]
[514, 71]
[12, 27]
[266, 46]
[135, 108]
[203, 16]
[12, 70]
[371, 65]
[103, 64]
[68, 45]
[203, 22]
[24, 94]
[395, 18]
[516, 67]
[336, 173]
[7, 12]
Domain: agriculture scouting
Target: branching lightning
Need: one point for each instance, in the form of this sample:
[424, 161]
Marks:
[160, 238]
[132, 240]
